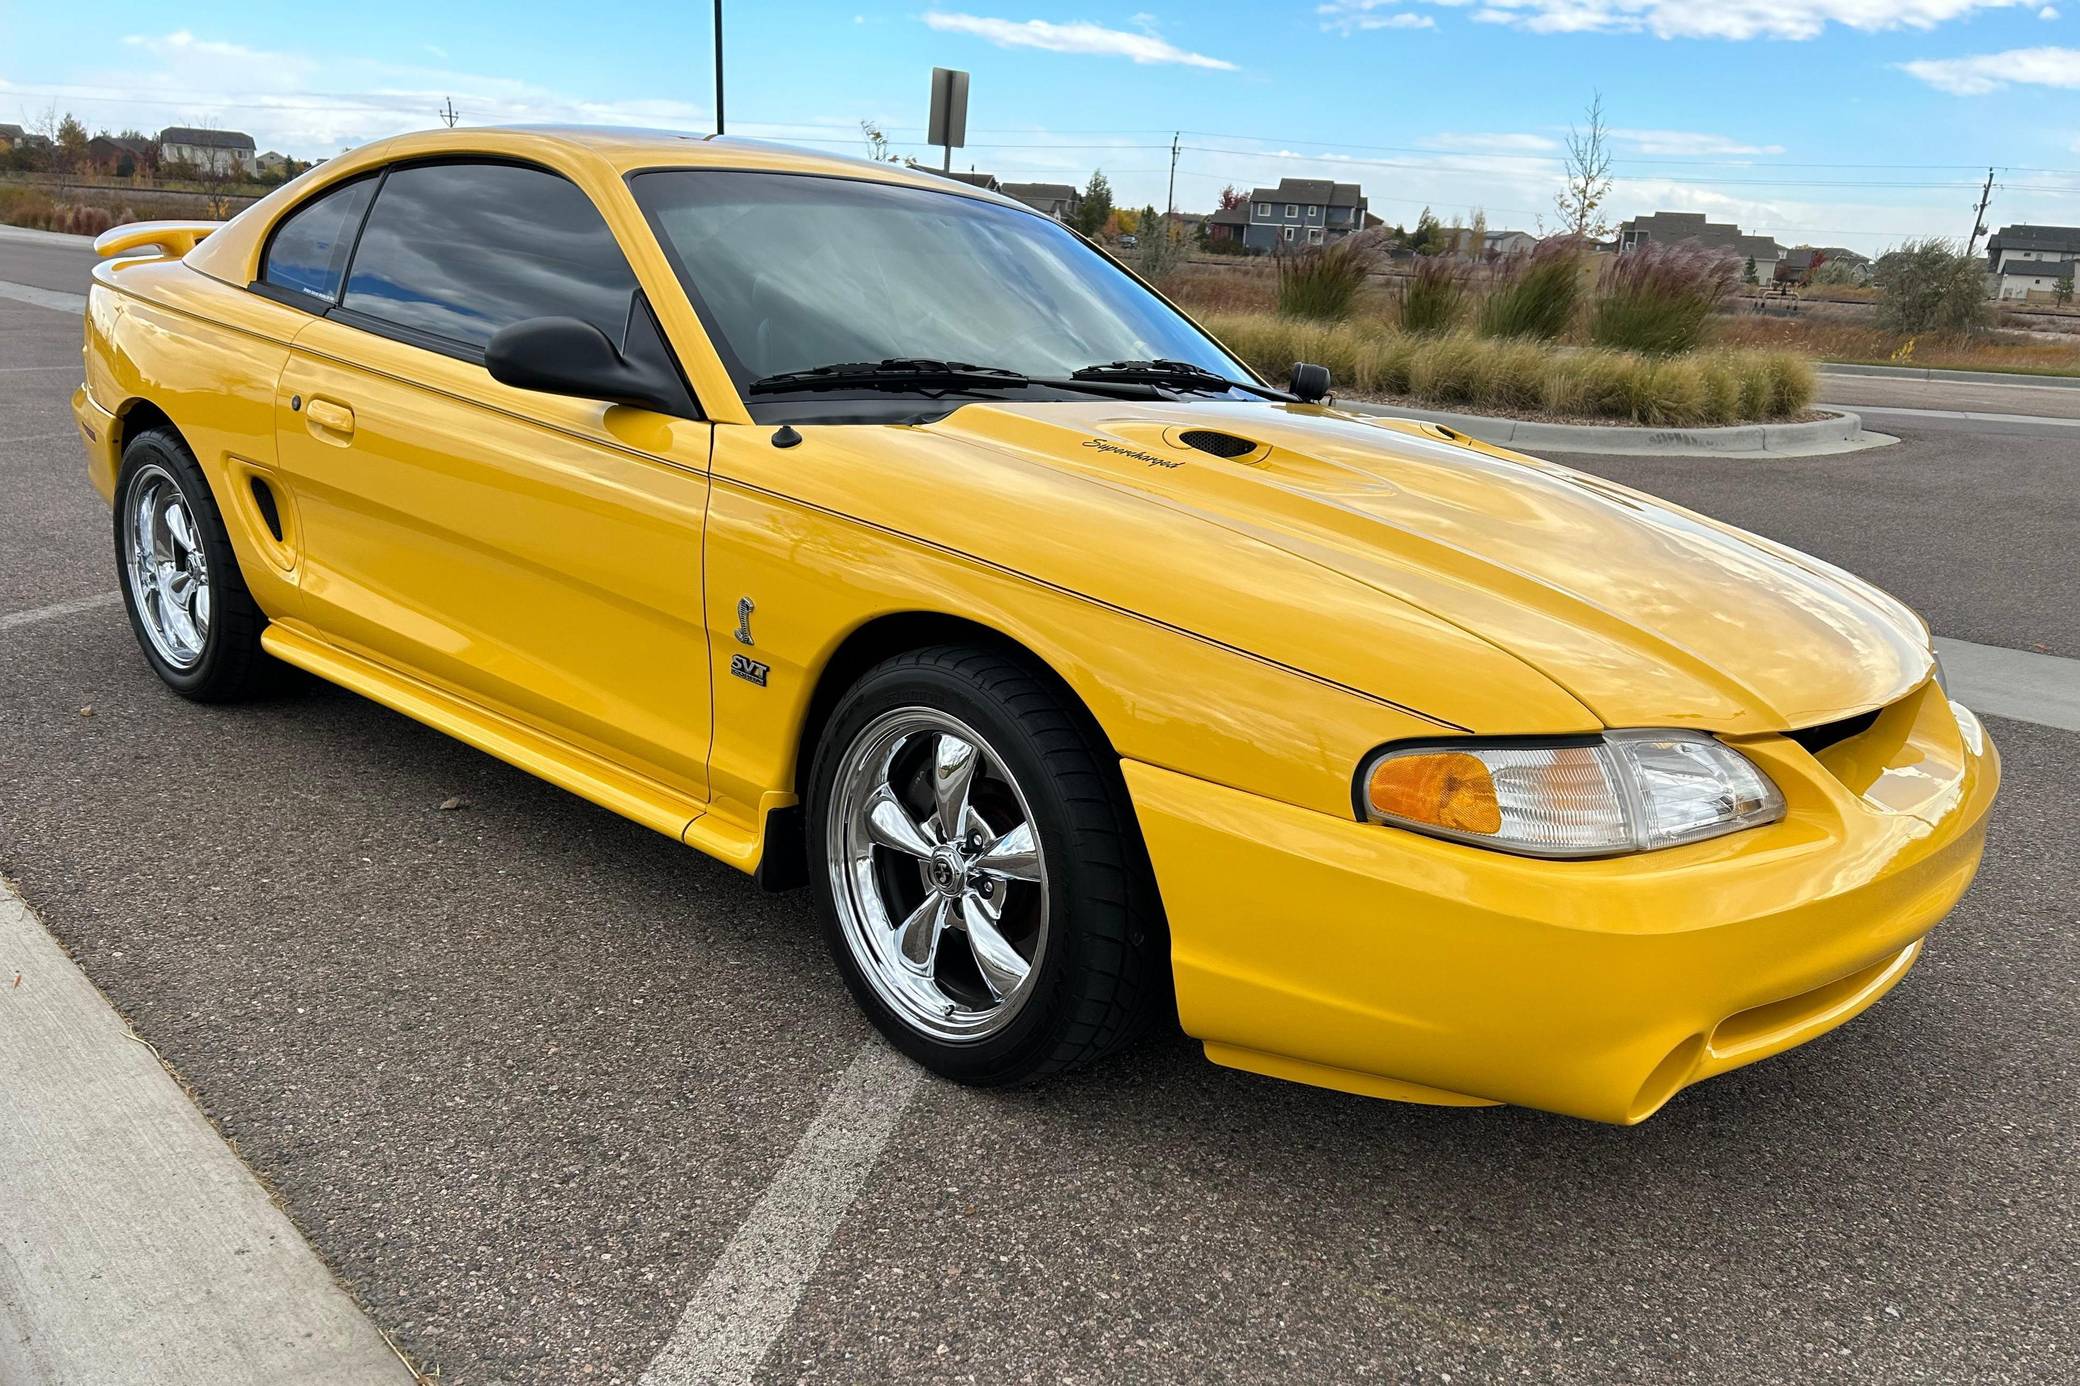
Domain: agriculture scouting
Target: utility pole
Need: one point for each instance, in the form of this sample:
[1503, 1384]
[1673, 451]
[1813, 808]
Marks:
[1170, 206]
[449, 113]
[718, 66]
[1979, 216]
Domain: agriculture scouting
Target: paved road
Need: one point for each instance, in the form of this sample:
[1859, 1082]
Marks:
[520, 1071]
[2016, 397]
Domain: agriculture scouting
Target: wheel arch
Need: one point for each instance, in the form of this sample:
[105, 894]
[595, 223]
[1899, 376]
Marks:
[137, 415]
[784, 862]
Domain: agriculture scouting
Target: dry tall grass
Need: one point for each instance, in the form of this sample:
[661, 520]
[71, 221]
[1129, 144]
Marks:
[1863, 345]
[1461, 371]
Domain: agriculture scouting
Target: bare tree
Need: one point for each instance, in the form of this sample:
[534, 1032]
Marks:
[877, 143]
[1580, 205]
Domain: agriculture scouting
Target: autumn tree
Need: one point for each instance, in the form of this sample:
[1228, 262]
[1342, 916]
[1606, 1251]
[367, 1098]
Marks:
[1580, 204]
[1231, 198]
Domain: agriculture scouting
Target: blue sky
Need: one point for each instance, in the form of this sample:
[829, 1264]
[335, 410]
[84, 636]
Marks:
[1853, 122]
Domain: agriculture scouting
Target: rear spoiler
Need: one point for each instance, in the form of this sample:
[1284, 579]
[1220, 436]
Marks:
[174, 239]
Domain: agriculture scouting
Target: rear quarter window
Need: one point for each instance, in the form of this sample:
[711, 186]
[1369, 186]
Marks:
[459, 250]
[309, 249]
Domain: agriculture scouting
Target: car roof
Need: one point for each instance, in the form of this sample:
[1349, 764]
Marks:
[628, 148]
[605, 152]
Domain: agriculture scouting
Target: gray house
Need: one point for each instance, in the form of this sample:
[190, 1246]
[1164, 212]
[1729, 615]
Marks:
[2032, 259]
[1302, 212]
[1058, 200]
[216, 150]
[1678, 228]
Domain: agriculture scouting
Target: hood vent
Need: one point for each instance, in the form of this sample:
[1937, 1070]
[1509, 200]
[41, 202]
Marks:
[1219, 444]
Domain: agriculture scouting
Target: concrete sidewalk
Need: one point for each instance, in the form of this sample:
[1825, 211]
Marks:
[135, 1247]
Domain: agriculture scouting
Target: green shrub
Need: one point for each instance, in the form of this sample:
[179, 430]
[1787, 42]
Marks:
[1538, 293]
[1433, 296]
[1322, 282]
[1928, 287]
[1657, 298]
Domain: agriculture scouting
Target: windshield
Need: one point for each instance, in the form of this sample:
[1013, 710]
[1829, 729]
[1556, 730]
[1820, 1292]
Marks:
[793, 271]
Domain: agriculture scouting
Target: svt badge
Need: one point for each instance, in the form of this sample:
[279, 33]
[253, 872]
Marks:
[749, 669]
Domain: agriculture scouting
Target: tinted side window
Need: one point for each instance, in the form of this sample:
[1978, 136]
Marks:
[461, 250]
[309, 249]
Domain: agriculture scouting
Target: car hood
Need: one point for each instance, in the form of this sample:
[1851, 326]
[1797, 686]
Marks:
[1646, 613]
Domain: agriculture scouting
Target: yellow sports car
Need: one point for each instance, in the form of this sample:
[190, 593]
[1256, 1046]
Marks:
[873, 532]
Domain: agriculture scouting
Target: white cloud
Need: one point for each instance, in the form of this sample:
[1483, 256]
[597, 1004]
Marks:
[1688, 144]
[1078, 37]
[2049, 12]
[1985, 72]
[1669, 19]
[1497, 143]
[1354, 16]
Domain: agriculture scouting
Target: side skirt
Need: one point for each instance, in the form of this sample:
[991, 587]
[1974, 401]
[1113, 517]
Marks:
[591, 777]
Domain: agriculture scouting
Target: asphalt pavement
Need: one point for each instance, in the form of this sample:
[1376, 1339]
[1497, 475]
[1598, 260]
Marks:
[524, 1073]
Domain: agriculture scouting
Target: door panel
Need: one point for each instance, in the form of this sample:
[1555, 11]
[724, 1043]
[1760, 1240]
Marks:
[537, 553]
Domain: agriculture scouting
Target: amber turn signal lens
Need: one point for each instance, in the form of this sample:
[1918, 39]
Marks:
[1447, 789]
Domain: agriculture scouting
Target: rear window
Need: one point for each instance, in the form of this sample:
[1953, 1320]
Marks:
[310, 247]
[459, 250]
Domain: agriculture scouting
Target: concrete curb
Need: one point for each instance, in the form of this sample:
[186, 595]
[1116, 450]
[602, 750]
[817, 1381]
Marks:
[2042, 382]
[1839, 432]
[136, 1246]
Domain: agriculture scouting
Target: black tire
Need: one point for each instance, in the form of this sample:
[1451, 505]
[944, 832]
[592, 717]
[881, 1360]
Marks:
[1105, 970]
[230, 664]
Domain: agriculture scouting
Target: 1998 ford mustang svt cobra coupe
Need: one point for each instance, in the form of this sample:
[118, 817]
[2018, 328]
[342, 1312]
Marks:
[871, 531]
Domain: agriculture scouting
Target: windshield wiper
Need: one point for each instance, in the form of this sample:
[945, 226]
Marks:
[1177, 375]
[915, 373]
[902, 373]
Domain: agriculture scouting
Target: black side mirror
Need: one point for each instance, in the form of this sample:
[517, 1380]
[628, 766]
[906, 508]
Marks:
[1310, 382]
[566, 356]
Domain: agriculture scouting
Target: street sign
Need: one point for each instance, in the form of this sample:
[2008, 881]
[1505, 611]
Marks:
[948, 127]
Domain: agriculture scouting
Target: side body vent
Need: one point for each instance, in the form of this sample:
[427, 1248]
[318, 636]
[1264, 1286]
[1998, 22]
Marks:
[1219, 444]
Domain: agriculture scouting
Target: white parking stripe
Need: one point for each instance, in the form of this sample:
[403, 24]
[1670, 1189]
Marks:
[2039, 688]
[752, 1289]
[44, 298]
[57, 609]
[135, 1247]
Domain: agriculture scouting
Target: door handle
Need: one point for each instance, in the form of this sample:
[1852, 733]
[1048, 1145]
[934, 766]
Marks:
[332, 417]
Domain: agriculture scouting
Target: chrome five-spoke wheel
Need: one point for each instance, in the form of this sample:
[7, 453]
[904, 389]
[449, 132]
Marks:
[938, 874]
[166, 567]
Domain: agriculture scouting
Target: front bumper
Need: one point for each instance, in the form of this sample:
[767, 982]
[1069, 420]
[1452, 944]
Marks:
[1384, 962]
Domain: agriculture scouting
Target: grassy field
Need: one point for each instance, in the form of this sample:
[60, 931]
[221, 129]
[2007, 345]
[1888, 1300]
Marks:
[88, 211]
[1994, 351]
[1244, 286]
[1479, 374]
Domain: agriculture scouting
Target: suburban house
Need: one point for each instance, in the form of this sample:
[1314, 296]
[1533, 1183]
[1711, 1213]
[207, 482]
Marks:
[214, 150]
[273, 161]
[1503, 243]
[122, 155]
[1058, 200]
[986, 181]
[10, 136]
[2031, 259]
[1301, 212]
[1801, 263]
[1227, 224]
[1679, 228]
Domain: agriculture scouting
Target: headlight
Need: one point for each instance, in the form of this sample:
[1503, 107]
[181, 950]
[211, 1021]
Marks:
[1630, 791]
